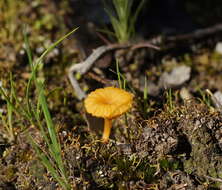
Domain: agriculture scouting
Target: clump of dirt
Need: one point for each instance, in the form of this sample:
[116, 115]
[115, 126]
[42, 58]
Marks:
[191, 136]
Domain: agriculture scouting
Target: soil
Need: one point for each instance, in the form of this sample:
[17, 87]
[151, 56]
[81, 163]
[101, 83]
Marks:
[165, 141]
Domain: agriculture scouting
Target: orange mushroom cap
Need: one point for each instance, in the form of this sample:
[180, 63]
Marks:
[108, 102]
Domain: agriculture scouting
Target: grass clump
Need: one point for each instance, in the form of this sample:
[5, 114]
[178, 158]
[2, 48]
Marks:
[38, 115]
[122, 18]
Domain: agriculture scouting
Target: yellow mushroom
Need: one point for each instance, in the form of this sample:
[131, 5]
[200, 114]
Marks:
[108, 103]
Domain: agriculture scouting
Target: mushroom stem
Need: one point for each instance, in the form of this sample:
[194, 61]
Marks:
[107, 129]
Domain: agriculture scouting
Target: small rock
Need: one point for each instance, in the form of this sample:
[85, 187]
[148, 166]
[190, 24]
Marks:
[218, 48]
[185, 94]
[176, 77]
[124, 148]
[217, 99]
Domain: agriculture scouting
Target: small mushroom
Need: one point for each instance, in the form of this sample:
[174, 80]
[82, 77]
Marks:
[108, 103]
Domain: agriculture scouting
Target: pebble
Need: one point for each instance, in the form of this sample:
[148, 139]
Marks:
[176, 77]
[218, 48]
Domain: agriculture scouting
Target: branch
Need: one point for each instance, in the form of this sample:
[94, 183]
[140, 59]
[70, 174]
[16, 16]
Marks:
[197, 34]
[84, 66]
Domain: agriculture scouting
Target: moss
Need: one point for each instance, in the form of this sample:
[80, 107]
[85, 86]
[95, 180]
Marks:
[9, 173]
[203, 160]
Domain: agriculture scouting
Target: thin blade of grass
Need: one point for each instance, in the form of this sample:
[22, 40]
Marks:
[46, 162]
[50, 48]
[7, 99]
[28, 51]
[18, 108]
[106, 31]
[118, 74]
[56, 148]
[134, 18]
[9, 114]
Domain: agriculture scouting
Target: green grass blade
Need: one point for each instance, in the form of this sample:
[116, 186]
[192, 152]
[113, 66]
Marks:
[27, 48]
[118, 74]
[56, 148]
[106, 31]
[9, 114]
[47, 163]
[134, 18]
[50, 48]
[145, 91]
[47, 116]
[28, 51]
[7, 99]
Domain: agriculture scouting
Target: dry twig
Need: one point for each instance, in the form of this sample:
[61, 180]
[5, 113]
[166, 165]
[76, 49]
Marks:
[197, 34]
[213, 179]
[85, 66]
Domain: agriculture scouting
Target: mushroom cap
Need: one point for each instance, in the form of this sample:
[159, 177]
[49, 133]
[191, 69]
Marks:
[108, 102]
